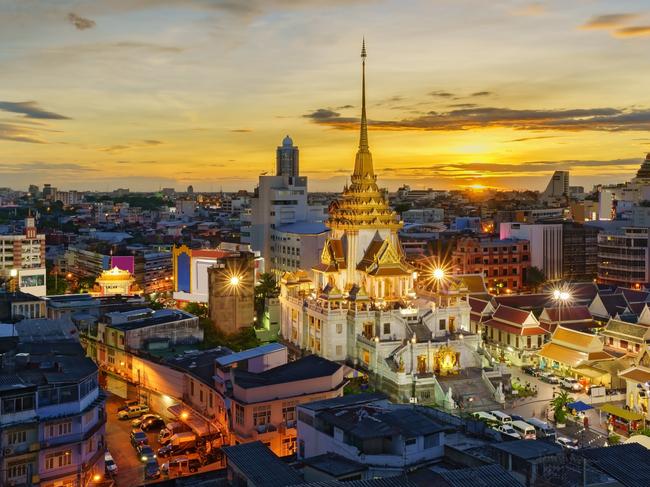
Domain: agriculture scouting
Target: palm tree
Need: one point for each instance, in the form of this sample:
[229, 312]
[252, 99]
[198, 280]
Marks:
[535, 277]
[266, 287]
[559, 403]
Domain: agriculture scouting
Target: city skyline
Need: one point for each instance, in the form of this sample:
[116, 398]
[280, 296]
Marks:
[193, 91]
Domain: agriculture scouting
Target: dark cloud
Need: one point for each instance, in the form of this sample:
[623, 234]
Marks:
[80, 23]
[441, 94]
[44, 166]
[609, 21]
[462, 105]
[524, 139]
[633, 31]
[242, 131]
[138, 144]
[481, 93]
[344, 107]
[581, 119]
[323, 114]
[19, 133]
[30, 109]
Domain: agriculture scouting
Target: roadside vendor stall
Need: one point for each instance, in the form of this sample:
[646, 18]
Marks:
[622, 420]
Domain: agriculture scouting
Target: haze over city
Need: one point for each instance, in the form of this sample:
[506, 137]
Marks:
[150, 94]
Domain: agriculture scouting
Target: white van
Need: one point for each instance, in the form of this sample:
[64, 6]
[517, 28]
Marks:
[487, 417]
[502, 417]
[542, 428]
[526, 431]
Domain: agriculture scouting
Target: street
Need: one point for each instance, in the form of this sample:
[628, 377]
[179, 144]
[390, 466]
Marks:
[536, 407]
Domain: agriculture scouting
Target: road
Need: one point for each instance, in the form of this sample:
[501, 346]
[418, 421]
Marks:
[537, 407]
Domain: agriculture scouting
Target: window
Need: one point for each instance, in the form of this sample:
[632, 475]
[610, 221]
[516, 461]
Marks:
[288, 412]
[210, 399]
[16, 471]
[366, 357]
[261, 415]
[410, 441]
[17, 404]
[529, 343]
[623, 344]
[289, 445]
[52, 430]
[191, 387]
[239, 414]
[90, 446]
[58, 459]
[201, 395]
[339, 350]
[339, 328]
[386, 328]
[16, 437]
[442, 325]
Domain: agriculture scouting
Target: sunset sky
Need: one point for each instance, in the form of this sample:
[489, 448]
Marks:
[150, 93]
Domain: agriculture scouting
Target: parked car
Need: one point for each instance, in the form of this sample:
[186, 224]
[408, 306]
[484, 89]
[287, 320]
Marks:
[506, 429]
[516, 417]
[170, 430]
[110, 467]
[133, 411]
[138, 437]
[567, 443]
[127, 405]
[169, 450]
[152, 424]
[181, 465]
[549, 378]
[485, 417]
[145, 452]
[138, 421]
[571, 384]
[151, 469]
[530, 370]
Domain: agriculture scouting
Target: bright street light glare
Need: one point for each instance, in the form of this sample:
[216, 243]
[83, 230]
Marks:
[438, 273]
[556, 294]
[234, 281]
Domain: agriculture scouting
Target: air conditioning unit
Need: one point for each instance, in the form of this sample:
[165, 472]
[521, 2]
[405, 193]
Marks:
[8, 451]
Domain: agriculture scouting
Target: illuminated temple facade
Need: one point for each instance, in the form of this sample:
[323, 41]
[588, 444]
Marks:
[364, 304]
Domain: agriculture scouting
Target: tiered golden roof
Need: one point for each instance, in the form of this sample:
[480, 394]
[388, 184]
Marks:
[362, 204]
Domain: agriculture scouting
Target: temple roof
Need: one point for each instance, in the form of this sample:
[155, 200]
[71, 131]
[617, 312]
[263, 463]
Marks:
[383, 259]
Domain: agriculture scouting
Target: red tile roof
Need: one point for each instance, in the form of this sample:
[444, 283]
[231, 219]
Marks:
[511, 315]
[516, 330]
[573, 313]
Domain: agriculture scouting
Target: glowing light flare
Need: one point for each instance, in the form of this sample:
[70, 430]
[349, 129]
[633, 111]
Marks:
[185, 415]
[234, 280]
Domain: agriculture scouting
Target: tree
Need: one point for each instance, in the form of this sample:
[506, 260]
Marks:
[197, 309]
[559, 403]
[535, 278]
[266, 287]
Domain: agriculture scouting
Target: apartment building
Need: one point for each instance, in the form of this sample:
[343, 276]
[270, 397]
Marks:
[504, 263]
[22, 259]
[52, 417]
[624, 258]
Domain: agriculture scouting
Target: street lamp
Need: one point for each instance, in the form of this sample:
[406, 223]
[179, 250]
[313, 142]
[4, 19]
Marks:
[561, 297]
[185, 415]
[439, 274]
[234, 281]
[14, 274]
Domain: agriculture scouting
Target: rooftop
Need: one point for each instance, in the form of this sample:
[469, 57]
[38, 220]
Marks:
[529, 449]
[628, 463]
[200, 363]
[304, 228]
[335, 464]
[141, 318]
[345, 401]
[227, 360]
[309, 367]
[260, 466]
[484, 476]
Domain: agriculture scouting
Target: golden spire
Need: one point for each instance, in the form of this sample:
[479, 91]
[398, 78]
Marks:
[363, 163]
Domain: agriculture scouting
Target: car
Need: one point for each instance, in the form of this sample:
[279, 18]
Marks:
[127, 405]
[169, 450]
[183, 464]
[151, 469]
[549, 378]
[138, 437]
[516, 417]
[568, 443]
[152, 424]
[133, 412]
[571, 384]
[530, 370]
[110, 467]
[145, 452]
[138, 421]
[507, 430]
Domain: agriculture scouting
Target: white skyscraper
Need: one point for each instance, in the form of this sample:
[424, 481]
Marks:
[286, 162]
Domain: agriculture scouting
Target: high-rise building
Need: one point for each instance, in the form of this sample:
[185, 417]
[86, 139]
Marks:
[22, 257]
[624, 258]
[286, 161]
[190, 189]
[545, 245]
[558, 186]
[231, 292]
[279, 211]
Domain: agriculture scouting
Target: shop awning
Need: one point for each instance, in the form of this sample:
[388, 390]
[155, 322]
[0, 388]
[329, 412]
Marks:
[591, 372]
[579, 406]
[621, 413]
